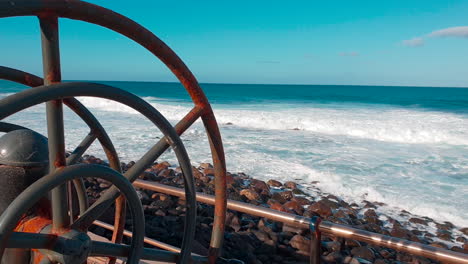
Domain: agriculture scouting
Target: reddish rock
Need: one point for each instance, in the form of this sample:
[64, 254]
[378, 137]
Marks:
[209, 171]
[320, 208]
[160, 166]
[250, 194]
[229, 179]
[290, 185]
[196, 173]
[301, 200]
[294, 206]
[398, 231]
[439, 245]
[300, 243]
[278, 207]
[274, 183]
[205, 166]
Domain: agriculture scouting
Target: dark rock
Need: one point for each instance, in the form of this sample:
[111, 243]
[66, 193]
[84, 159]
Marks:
[298, 192]
[464, 231]
[418, 221]
[363, 252]
[444, 235]
[166, 173]
[398, 231]
[447, 226]
[371, 217]
[332, 246]
[461, 239]
[334, 257]
[260, 186]
[459, 249]
[352, 243]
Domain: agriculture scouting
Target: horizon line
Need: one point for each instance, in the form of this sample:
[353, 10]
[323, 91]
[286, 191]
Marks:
[296, 84]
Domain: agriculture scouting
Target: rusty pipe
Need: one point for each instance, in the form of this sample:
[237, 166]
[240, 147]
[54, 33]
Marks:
[398, 244]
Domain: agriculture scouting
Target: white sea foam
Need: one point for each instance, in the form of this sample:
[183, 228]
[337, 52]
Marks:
[383, 124]
[409, 159]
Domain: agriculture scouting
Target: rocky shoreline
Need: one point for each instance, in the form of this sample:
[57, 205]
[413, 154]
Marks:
[259, 240]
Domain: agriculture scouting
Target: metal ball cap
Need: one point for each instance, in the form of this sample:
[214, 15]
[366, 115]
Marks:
[24, 147]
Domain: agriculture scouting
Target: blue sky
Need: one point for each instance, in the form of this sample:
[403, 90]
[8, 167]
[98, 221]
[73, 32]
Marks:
[420, 43]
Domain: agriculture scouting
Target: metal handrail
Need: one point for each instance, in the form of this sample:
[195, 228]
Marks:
[447, 256]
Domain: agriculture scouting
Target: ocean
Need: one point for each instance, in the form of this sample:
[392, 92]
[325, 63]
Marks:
[406, 147]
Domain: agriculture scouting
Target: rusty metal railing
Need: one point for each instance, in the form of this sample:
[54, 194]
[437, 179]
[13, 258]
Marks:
[446, 256]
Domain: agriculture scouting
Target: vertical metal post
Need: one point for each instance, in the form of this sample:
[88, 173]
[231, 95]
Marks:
[54, 109]
[315, 241]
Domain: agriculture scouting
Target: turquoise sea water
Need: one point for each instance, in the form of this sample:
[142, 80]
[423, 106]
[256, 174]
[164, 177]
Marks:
[404, 146]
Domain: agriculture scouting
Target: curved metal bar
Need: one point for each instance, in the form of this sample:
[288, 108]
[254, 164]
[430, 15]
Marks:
[96, 129]
[7, 127]
[33, 193]
[32, 80]
[103, 249]
[27, 98]
[87, 12]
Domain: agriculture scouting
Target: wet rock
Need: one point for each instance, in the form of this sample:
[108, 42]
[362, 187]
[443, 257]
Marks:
[352, 243]
[332, 246]
[320, 208]
[439, 245]
[260, 186]
[166, 173]
[381, 261]
[464, 231]
[363, 252]
[279, 207]
[301, 200]
[333, 257]
[294, 206]
[459, 249]
[209, 171]
[282, 197]
[205, 166]
[371, 217]
[444, 235]
[418, 221]
[298, 192]
[290, 185]
[300, 243]
[461, 239]
[292, 229]
[446, 226]
[250, 194]
[398, 231]
[160, 166]
[274, 183]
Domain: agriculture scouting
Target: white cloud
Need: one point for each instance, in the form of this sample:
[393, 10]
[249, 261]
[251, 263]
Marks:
[460, 32]
[414, 42]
